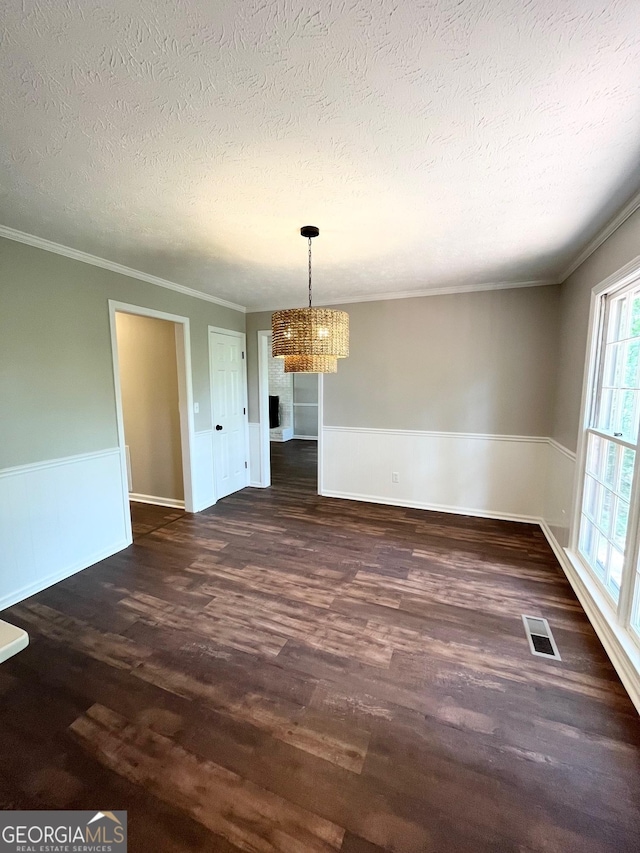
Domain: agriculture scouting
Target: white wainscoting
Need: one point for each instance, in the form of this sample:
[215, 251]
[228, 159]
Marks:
[495, 476]
[58, 517]
[204, 490]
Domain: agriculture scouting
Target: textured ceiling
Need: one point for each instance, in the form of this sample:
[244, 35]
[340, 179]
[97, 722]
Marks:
[434, 142]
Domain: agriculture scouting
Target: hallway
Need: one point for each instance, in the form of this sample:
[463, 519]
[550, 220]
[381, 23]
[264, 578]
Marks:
[294, 466]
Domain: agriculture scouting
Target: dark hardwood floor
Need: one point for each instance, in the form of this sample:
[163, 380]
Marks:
[290, 673]
[146, 518]
[294, 466]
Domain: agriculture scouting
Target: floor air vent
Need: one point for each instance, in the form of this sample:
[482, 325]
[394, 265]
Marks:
[540, 638]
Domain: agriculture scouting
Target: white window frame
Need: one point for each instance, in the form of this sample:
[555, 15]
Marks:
[619, 614]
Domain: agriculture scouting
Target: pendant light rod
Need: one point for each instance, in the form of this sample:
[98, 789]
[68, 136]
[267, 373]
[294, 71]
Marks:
[309, 272]
[309, 231]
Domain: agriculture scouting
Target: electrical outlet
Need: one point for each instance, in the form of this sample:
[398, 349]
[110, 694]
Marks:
[395, 477]
[196, 408]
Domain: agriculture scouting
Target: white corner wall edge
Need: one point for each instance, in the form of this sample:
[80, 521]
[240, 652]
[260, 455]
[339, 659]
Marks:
[255, 457]
[94, 260]
[558, 494]
[493, 476]
[172, 503]
[58, 517]
[204, 490]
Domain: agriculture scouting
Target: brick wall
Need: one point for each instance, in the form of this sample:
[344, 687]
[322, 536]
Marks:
[281, 384]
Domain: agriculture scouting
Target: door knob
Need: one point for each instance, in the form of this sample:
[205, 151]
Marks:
[218, 426]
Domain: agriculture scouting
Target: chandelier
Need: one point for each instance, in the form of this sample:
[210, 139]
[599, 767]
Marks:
[311, 340]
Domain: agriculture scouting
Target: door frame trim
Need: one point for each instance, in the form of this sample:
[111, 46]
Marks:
[263, 408]
[185, 396]
[320, 430]
[243, 337]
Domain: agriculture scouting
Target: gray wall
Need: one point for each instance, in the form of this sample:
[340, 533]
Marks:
[477, 362]
[575, 297]
[56, 380]
[150, 404]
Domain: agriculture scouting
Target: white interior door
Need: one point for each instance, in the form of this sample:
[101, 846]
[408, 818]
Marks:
[228, 403]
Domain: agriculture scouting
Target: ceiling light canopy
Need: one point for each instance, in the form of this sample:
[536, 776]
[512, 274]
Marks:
[311, 340]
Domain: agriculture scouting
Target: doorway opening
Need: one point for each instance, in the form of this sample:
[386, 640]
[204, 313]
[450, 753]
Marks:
[152, 377]
[290, 423]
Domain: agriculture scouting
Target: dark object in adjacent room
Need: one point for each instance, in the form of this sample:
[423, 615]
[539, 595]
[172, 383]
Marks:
[274, 411]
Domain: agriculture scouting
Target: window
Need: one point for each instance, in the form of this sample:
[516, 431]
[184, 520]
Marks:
[606, 540]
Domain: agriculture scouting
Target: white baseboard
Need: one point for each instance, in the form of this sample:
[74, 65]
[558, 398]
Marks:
[157, 501]
[453, 510]
[620, 649]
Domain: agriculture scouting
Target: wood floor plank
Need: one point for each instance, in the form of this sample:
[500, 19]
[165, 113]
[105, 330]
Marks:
[286, 721]
[314, 591]
[248, 816]
[156, 611]
[77, 634]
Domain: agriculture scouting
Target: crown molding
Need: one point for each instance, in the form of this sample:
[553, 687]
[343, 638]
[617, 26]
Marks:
[84, 257]
[619, 219]
[416, 294]
[94, 260]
